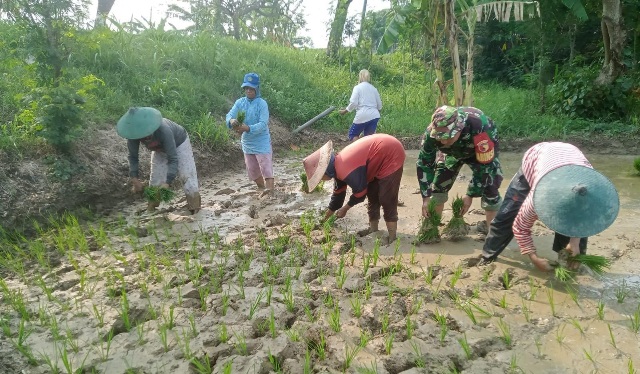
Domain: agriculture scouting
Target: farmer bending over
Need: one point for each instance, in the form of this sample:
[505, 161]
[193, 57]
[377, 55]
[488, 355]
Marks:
[256, 139]
[171, 153]
[557, 185]
[372, 167]
[458, 136]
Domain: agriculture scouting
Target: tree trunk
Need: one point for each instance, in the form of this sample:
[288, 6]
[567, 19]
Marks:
[362, 16]
[218, 18]
[451, 27]
[613, 35]
[104, 7]
[337, 28]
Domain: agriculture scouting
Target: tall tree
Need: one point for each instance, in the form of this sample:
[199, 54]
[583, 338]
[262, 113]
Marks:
[104, 8]
[363, 14]
[614, 36]
[337, 28]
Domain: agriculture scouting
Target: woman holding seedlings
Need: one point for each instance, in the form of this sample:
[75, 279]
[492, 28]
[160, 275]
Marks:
[372, 167]
[256, 139]
[557, 185]
[171, 153]
[455, 137]
[366, 101]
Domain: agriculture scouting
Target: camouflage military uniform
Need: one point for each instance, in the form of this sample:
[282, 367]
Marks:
[439, 165]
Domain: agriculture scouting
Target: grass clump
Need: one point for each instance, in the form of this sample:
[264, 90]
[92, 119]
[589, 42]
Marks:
[429, 227]
[457, 228]
[158, 194]
[636, 165]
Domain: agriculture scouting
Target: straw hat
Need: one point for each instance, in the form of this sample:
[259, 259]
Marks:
[576, 201]
[139, 122]
[316, 164]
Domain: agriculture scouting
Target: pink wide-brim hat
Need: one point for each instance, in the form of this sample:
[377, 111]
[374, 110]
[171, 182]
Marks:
[316, 164]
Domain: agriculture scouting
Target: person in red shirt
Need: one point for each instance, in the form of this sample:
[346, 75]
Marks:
[372, 167]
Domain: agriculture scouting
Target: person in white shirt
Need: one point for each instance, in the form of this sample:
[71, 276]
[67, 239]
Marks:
[366, 101]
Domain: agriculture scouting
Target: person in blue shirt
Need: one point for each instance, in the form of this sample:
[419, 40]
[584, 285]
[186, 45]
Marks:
[256, 139]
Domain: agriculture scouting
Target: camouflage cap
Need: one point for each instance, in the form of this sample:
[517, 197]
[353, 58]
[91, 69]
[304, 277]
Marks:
[446, 122]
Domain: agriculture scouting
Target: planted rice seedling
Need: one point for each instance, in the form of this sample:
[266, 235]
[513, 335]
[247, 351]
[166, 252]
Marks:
[409, 326]
[334, 319]
[635, 320]
[388, 343]
[577, 325]
[465, 346]
[505, 329]
[622, 292]
[272, 324]
[419, 360]
[600, 310]
[552, 305]
[612, 338]
[356, 306]
[349, 355]
[203, 365]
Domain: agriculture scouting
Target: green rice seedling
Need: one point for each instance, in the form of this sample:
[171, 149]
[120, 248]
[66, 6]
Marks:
[457, 273]
[349, 355]
[428, 232]
[630, 368]
[503, 302]
[442, 321]
[255, 304]
[289, 301]
[368, 289]
[157, 194]
[412, 254]
[203, 293]
[373, 369]
[600, 310]
[409, 327]
[270, 293]
[388, 343]
[202, 366]
[596, 263]
[309, 313]
[591, 357]
[321, 347]
[328, 300]
[186, 345]
[140, 333]
[560, 335]
[341, 278]
[622, 292]
[549, 292]
[272, 325]
[241, 344]
[465, 346]
[577, 325]
[428, 275]
[293, 334]
[635, 320]
[384, 322]
[51, 364]
[365, 337]
[538, 344]
[365, 265]
[71, 341]
[506, 332]
[307, 366]
[506, 279]
[164, 337]
[513, 364]
[612, 338]
[573, 293]
[124, 311]
[275, 364]
[419, 359]
[457, 228]
[105, 347]
[223, 333]
[466, 308]
[334, 319]
[228, 367]
[417, 304]
[169, 318]
[376, 252]
[356, 306]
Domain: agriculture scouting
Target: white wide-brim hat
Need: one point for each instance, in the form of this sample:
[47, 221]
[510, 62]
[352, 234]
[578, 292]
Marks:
[316, 164]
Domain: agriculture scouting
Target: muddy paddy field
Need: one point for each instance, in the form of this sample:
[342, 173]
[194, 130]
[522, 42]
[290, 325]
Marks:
[258, 285]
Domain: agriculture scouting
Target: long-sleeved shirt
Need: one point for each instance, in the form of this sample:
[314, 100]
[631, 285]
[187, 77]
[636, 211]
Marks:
[258, 139]
[167, 138]
[365, 99]
[372, 157]
[463, 149]
[537, 162]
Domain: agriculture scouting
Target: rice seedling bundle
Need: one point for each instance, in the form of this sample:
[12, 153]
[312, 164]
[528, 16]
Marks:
[457, 228]
[158, 194]
[593, 262]
[241, 117]
[563, 274]
[305, 184]
[429, 226]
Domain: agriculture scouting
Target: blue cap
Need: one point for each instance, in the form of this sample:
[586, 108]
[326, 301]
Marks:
[251, 80]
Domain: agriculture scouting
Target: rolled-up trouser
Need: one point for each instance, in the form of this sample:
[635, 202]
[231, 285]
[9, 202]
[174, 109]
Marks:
[384, 192]
[485, 180]
[187, 173]
[501, 231]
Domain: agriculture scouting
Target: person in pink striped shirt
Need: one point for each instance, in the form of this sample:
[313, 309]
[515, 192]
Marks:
[557, 185]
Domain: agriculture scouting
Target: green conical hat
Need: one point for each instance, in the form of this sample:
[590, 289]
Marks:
[139, 122]
[576, 201]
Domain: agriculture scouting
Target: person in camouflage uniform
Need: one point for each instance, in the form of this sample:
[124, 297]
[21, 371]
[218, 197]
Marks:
[455, 137]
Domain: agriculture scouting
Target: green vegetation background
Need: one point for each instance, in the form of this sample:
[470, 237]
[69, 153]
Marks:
[194, 80]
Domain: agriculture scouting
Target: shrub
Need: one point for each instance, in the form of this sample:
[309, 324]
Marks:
[636, 164]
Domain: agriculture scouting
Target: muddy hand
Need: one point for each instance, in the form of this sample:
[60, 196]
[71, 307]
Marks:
[425, 207]
[340, 213]
[540, 263]
[136, 185]
[327, 214]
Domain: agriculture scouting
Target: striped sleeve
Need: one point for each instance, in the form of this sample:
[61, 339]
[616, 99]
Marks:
[523, 224]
